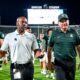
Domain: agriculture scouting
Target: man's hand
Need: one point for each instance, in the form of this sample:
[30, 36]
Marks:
[2, 53]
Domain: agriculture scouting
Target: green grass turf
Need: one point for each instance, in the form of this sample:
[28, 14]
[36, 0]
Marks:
[5, 73]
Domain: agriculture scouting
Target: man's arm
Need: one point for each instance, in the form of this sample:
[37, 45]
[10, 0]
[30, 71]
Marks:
[4, 46]
[49, 57]
[2, 53]
[78, 49]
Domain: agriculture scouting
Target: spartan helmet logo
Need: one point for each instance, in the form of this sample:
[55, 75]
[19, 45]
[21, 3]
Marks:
[71, 35]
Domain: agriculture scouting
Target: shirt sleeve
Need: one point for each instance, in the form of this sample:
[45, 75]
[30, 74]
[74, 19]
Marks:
[35, 43]
[5, 44]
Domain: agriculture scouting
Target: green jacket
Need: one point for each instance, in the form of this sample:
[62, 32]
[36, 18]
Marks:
[64, 44]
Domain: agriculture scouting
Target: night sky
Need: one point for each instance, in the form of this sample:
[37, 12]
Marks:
[11, 9]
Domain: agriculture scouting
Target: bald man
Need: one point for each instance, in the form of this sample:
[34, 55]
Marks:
[21, 45]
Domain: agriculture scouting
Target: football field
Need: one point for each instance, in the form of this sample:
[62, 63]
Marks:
[5, 73]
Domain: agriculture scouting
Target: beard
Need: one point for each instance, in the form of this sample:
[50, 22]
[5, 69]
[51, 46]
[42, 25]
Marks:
[21, 30]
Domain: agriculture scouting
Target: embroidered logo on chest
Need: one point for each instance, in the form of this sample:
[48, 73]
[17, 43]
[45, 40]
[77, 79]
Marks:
[71, 35]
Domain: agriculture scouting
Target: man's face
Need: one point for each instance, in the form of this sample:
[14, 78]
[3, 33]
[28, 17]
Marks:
[41, 36]
[21, 24]
[64, 24]
[50, 32]
[29, 30]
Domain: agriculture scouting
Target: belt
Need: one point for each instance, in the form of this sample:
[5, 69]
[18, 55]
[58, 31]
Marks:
[15, 65]
[25, 64]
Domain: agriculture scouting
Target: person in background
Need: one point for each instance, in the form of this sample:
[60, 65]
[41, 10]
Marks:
[51, 73]
[28, 29]
[20, 45]
[41, 43]
[1, 42]
[63, 41]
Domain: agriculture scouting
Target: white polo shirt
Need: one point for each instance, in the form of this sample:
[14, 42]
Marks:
[20, 46]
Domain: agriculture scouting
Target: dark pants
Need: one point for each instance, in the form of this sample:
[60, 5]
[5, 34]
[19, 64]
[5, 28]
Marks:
[27, 71]
[1, 63]
[65, 70]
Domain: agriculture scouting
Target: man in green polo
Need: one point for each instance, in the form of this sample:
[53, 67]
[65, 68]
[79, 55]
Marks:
[1, 41]
[63, 41]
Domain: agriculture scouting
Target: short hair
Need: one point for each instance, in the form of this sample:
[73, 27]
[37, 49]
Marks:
[50, 29]
[20, 17]
[28, 27]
